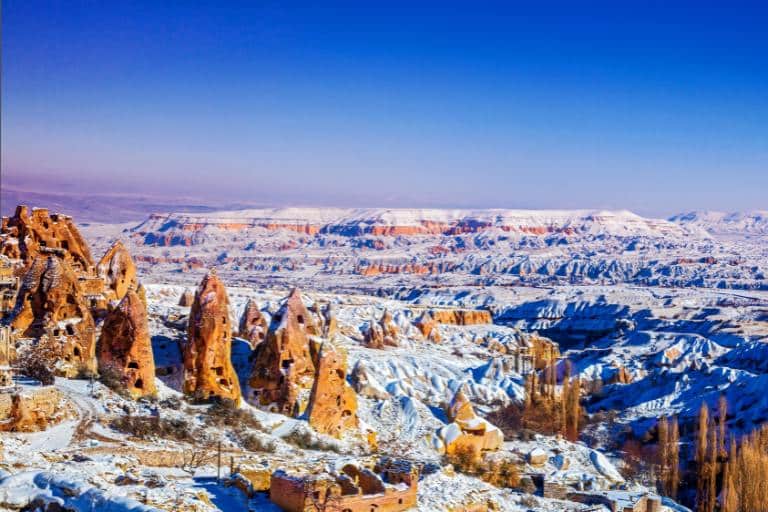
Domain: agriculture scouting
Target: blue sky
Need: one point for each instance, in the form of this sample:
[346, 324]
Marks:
[639, 105]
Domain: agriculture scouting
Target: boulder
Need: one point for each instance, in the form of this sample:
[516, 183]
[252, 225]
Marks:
[332, 405]
[253, 325]
[50, 304]
[125, 347]
[284, 365]
[537, 457]
[208, 370]
[118, 271]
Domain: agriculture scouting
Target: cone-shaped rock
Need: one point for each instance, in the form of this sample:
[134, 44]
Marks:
[332, 405]
[208, 369]
[253, 325]
[50, 303]
[284, 365]
[117, 270]
[125, 347]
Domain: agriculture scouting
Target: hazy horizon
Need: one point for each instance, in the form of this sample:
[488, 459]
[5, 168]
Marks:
[657, 110]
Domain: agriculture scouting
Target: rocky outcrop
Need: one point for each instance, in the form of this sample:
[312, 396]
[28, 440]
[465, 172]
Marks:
[366, 384]
[253, 325]
[28, 234]
[382, 333]
[428, 327]
[32, 410]
[462, 316]
[467, 430]
[125, 348]
[284, 365]
[543, 351]
[118, 271]
[50, 303]
[332, 405]
[186, 299]
[208, 370]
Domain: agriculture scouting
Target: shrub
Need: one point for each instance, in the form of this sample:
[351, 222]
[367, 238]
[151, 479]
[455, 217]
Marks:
[147, 427]
[306, 440]
[255, 443]
[224, 412]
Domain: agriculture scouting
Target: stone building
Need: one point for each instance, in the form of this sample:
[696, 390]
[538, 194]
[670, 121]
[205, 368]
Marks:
[353, 489]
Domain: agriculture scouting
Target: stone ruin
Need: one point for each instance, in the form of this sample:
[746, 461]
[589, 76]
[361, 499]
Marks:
[117, 270]
[208, 370]
[50, 305]
[253, 326]
[353, 488]
[332, 405]
[284, 364]
[467, 430]
[125, 347]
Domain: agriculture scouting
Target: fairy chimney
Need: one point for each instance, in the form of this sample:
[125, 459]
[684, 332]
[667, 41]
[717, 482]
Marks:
[253, 325]
[284, 365]
[125, 347]
[332, 405]
[208, 370]
[118, 271]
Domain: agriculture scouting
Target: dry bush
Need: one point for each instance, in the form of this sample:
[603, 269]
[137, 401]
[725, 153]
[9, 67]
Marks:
[39, 360]
[500, 473]
[255, 443]
[149, 427]
[224, 413]
[114, 379]
[305, 440]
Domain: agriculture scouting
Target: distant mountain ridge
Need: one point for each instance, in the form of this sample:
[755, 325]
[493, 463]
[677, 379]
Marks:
[753, 222]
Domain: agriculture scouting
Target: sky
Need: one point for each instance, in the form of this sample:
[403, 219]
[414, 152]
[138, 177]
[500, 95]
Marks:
[655, 107]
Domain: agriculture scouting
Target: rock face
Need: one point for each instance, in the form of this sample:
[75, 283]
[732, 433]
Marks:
[118, 271]
[428, 327]
[208, 370]
[332, 405]
[284, 365]
[462, 316]
[125, 347]
[253, 325]
[29, 234]
[468, 430]
[50, 303]
[31, 411]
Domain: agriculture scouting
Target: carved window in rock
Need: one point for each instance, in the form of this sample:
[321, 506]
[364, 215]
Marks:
[219, 370]
[133, 365]
[70, 329]
[139, 384]
[300, 319]
[76, 351]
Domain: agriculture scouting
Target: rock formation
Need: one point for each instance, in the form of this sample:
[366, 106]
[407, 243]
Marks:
[118, 271]
[365, 384]
[50, 303]
[332, 405]
[125, 347]
[462, 316]
[428, 327]
[208, 370]
[186, 299]
[330, 324]
[467, 430]
[381, 333]
[284, 365]
[29, 234]
[253, 325]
